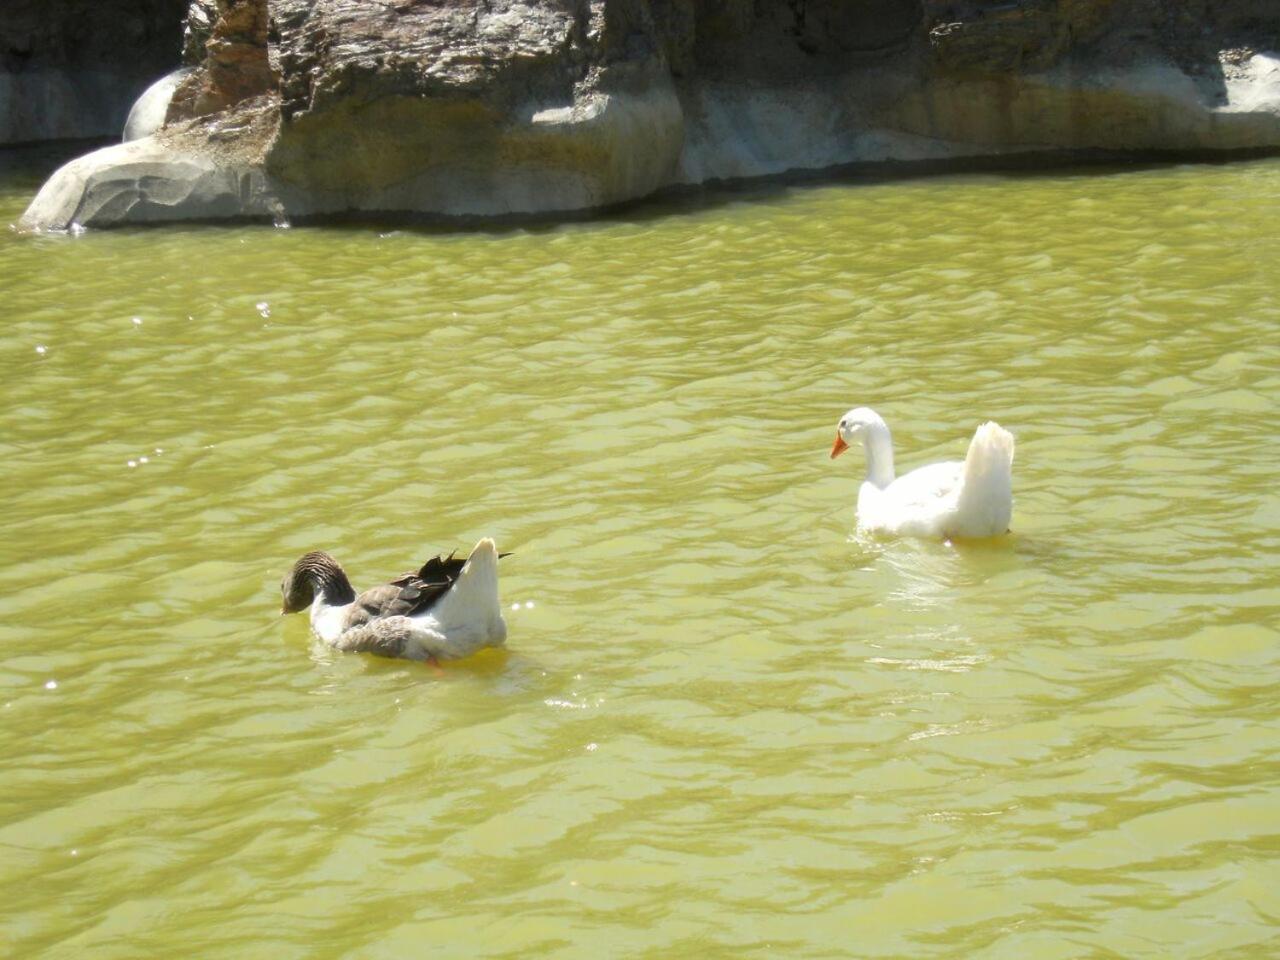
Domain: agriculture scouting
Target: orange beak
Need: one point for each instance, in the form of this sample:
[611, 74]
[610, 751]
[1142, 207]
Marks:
[838, 447]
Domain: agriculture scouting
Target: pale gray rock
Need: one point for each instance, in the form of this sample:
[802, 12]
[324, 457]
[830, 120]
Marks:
[1254, 87]
[1149, 107]
[148, 111]
[735, 131]
[145, 181]
[600, 150]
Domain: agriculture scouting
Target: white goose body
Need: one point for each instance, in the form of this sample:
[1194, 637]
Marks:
[447, 610]
[972, 498]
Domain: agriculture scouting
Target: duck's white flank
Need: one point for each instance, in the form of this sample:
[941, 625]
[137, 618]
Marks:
[469, 616]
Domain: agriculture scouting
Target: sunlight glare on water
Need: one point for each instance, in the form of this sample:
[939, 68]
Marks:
[725, 725]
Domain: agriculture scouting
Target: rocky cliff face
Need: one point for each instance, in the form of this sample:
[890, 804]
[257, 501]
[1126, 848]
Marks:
[71, 68]
[301, 107]
[1001, 36]
[228, 42]
[467, 108]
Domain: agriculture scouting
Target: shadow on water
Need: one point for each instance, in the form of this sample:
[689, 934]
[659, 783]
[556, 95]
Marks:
[686, 199]
[28, 165]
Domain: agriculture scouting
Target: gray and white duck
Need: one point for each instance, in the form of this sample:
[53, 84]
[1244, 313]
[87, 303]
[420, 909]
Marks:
[446, 610]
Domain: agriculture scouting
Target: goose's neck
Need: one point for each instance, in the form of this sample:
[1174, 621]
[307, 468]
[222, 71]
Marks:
[328, 580]
[878, 444]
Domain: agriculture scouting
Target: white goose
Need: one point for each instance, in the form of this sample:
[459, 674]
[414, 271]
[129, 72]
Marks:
[973, 498]
[446, 610]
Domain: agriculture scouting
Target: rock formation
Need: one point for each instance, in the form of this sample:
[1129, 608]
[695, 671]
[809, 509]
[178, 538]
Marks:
[150, 110]
[298, 108]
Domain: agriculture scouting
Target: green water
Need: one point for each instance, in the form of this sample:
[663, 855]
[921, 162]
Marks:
[725, 726]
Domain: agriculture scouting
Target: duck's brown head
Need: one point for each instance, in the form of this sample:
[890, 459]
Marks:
[313, 571]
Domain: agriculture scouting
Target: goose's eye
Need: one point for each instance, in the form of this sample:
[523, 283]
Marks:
[843, 424]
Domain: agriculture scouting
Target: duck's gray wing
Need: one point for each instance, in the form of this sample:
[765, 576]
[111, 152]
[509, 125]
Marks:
[384, 637]
[409, 594]
[395, 599]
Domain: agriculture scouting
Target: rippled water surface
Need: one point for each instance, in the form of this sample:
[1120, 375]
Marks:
[725, 726]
